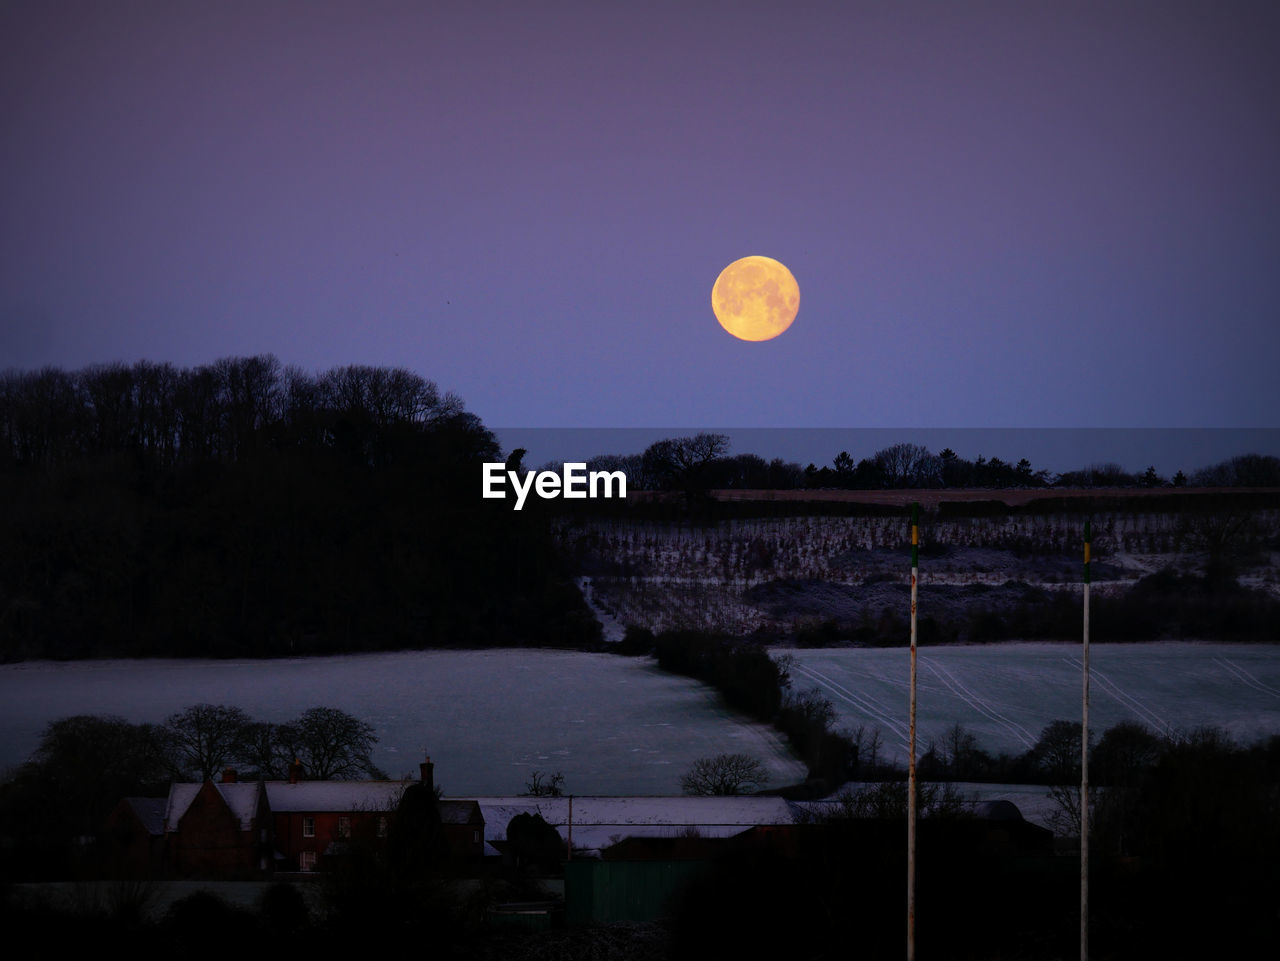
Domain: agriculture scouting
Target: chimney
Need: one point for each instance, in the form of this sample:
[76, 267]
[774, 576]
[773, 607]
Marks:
[427, 774]
[295, 771]
[228, 775]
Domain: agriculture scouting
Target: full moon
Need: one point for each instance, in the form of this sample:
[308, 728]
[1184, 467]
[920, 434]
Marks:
[755, 298]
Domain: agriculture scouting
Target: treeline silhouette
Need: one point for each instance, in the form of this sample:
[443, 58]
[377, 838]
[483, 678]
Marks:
[243, 508]
[753, 682]
[702, 462]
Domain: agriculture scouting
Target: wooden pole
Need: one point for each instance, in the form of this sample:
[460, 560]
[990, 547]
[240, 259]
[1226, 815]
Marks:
[911, 745]
[1084, 766]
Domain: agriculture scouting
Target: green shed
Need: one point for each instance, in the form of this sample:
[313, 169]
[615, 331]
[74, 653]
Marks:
[604, 891]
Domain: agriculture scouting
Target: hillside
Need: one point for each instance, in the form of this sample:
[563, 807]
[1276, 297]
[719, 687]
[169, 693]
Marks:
[817, 568]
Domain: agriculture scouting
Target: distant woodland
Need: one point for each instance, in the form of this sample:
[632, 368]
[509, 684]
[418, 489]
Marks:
[703, 462]
[243, 508]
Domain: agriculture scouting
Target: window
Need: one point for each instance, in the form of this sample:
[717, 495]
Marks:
[382, 827]
[344, 826]
[475, 836]
[307, 861]
[308, 827]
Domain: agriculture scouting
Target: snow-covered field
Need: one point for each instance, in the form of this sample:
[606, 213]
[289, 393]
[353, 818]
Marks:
[611, 725]
[615, 725]
[1006, 693]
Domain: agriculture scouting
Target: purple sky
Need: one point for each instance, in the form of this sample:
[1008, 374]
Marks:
[1023, 214]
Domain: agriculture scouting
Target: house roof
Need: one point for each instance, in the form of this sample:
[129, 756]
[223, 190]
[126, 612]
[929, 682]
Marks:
[601, 821]
[309, 797]
[334, 796]
[999, 809]
[241, 799]
[149, 811]
[343, 796]
[459, 811]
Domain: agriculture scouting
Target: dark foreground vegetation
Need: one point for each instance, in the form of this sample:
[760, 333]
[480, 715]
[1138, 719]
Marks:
[245, 509]
[1185, 844]
[755, 684]
[1185, 858]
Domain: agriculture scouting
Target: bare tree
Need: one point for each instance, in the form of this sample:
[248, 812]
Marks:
[109, 390]
[1118, 765]
[1125, 750]
[262, 751]
[1246, 470]
[724, 774]
[681, 463]
[207, 737]
[810, 706]
[959, 748]
[545, 785]
[1222, 536]
[874, 744]
[1057, 754]
[330, 744]
[84, 765]
[249, 397]
[887, 800]
[908, 465]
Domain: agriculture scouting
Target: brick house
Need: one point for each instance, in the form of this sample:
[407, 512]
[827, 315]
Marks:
[219, 829]
[231, 828]
[313, 820]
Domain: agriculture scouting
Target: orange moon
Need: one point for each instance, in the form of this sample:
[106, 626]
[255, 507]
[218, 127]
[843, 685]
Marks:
[755, 298]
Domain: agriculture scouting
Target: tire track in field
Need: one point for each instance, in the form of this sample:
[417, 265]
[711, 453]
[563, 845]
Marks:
[859, 701]
[982, 706]
[864, 702]
[898, 680]
[1249, 679]
[884, 708]
[990, 705]
[1126, 700]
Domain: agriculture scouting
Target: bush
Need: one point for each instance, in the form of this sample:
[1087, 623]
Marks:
[283, 908]
[724, 774]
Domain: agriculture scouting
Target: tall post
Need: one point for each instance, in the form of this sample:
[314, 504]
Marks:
[1084, 766]
[570, 827]
[911, 745]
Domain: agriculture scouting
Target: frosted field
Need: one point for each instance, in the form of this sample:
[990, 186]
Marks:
[617, 725]
[1005, 694]
[612, 725]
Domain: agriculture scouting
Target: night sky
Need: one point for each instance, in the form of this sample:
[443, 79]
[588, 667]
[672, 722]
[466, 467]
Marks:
[1022, 214]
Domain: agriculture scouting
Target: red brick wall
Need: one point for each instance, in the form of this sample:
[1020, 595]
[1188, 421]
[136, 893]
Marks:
[209, 840]
[464, 840]
[291, 842]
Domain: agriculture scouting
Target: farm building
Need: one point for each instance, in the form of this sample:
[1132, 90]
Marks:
[595, 823]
